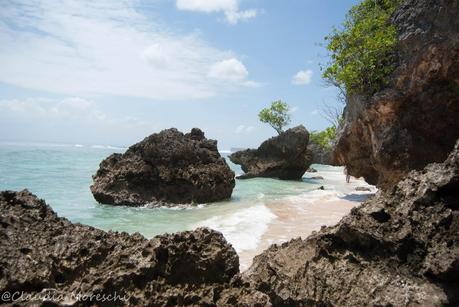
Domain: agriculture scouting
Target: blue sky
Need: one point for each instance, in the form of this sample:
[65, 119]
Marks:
[112, 72]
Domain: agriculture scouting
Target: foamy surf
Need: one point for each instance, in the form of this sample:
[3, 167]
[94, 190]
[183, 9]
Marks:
[243, 228]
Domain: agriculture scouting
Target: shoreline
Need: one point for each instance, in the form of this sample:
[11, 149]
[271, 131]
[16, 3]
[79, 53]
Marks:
[299, 217]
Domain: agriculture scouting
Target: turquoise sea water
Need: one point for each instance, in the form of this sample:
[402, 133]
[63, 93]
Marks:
[61, 174]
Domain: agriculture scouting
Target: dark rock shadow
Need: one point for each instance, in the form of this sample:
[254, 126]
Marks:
[357, 197]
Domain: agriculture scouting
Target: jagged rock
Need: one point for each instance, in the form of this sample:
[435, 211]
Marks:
[400, 248]
[284, 156]
[165, 168]
[41, 251]
[415, 120]
[320, 155]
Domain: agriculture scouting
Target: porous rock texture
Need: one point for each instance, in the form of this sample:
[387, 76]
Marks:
[320, 155]
[285, 156]
[399, 248]
[415, 120]
[42, 253]
[165, 168]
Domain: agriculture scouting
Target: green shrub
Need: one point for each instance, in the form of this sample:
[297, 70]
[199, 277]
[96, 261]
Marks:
[324, 138]
[362, 52]
[277, 115]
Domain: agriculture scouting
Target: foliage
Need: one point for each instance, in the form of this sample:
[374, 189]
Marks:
[362, 52]
[277, 115]
[324, 138]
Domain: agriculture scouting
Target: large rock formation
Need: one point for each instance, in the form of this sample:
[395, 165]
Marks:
[400, 248]
[320, 155]
[415, 120]
[284, 156]
[165, 168]
[43, 255]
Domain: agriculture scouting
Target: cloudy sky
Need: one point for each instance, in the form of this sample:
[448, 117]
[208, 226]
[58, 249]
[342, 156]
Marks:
[112, 72]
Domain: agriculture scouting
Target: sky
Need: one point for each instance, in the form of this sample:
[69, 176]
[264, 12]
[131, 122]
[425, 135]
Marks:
[113, 72]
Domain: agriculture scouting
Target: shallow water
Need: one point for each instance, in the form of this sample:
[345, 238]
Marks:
[61, 174]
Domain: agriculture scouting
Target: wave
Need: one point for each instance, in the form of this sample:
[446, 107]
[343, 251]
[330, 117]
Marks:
[108, 147]
[243, 228]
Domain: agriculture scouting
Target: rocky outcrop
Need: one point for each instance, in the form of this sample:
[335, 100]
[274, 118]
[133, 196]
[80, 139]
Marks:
[72, 264]
[320, 155]
[400, 248]
[165, 168]
[284, 156]
[415, 120]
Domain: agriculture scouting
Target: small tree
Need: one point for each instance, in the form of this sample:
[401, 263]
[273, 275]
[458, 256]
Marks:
[277, 115]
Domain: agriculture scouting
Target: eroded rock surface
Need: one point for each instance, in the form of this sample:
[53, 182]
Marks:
[320, 155]
[400, 248]
[42, 253]
[415, 120]
[285, 156]
[165, 168]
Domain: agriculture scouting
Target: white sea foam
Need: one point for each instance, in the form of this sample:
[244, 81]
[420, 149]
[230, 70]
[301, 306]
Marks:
[243, 228]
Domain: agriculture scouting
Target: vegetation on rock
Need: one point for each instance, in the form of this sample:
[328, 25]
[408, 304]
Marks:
[324, 138]
[362, 52]
[277, 115]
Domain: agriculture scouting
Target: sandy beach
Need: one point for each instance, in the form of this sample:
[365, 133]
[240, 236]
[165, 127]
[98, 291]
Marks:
[297, 217]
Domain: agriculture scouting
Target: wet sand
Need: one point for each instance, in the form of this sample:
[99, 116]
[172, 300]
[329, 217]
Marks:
[299, 218]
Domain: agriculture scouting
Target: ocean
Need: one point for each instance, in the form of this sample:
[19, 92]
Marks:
[61, 174]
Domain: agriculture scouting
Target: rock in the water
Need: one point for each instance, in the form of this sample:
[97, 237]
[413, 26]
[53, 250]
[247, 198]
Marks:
[42, 253]
[415, 120]
[165, 168]
[311, 170]
[284, 156]
[320, 155]
[400, 248]
[363, 189]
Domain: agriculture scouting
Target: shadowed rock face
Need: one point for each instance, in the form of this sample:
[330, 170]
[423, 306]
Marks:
[319, 154]
[284, 156]
[41, 251]
[165, 168]
[400, 248]
[415, 120]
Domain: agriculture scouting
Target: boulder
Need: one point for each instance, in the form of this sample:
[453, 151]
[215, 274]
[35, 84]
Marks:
[320, 155]
[43, 254]
[165, 168]
[399, 248]
[415, 119]
[284, 156]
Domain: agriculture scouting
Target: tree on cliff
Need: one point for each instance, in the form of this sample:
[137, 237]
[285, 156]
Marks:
[362, 51]
[277, 115]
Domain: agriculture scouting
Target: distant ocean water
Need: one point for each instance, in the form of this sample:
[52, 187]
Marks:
[61, 174]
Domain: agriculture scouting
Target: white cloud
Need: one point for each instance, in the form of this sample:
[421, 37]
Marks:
[302, 77]
[102, 47]
[229, 70]
[207, 6]
[243, 129]
[230, 8]
[315, 112]
[67, 108]
[233, 17]
[232, 71]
